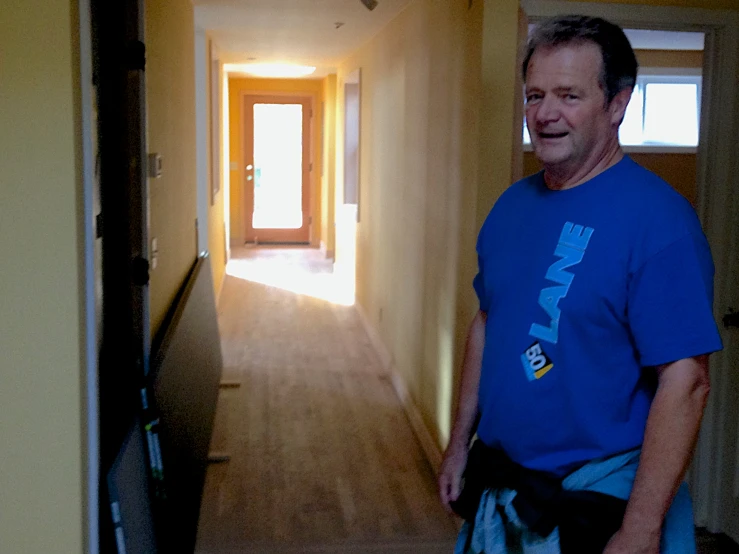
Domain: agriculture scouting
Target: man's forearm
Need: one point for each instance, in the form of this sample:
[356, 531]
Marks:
[467, 408]
[670, 437]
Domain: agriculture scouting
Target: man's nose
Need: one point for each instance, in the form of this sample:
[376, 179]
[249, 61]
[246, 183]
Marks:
[547, 110]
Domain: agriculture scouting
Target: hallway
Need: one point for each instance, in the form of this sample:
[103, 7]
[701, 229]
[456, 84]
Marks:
[323, 458]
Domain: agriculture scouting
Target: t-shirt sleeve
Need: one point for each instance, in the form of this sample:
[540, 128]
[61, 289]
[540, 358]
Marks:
[479, 284]
[670, 303]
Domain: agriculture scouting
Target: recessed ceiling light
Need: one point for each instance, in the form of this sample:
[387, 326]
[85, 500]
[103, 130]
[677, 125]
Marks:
[275, 70]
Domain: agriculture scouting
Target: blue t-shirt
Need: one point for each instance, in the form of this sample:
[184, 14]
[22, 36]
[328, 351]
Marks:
[584, 289]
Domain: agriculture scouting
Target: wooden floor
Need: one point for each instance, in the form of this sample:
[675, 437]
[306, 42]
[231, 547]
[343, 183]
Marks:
[322, 456]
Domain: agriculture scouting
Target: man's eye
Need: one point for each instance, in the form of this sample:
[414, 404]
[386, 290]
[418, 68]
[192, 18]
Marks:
[532, 97]
[571, 97]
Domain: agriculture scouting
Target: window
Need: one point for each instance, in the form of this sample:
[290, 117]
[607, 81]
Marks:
[664, 111]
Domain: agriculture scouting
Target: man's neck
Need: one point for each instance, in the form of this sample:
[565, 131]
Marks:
[562, 178]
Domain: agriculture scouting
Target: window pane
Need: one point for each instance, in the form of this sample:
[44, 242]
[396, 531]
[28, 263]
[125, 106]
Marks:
[671, 114]
[630, 131]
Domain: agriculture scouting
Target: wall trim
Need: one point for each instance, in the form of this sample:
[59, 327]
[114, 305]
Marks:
[202, 169]
[328, 254]
[424, 436]
[220, 289]
[428, 444]
[90, 454]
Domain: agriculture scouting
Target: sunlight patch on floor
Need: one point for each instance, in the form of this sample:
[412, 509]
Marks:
[337, 288]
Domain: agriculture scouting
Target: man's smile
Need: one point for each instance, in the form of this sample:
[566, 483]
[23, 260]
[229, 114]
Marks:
[551, 135]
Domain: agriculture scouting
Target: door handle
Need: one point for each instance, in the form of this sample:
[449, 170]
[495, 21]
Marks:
[731, 319]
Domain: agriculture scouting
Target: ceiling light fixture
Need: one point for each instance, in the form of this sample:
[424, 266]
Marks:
[272, 70]
[370, 4]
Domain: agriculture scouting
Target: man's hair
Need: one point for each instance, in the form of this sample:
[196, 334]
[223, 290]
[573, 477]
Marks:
[619, 67]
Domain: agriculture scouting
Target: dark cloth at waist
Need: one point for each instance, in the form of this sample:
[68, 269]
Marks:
[586, 519]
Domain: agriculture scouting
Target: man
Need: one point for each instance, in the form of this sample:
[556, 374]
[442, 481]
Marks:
[596, 287]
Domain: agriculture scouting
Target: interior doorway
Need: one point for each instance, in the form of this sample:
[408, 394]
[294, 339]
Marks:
[348, 208]
[351, 139]
[277, 151]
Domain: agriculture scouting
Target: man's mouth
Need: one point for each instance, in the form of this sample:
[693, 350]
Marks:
[553, 135]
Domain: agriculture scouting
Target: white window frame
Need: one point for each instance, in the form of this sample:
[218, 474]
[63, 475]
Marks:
[651, 75]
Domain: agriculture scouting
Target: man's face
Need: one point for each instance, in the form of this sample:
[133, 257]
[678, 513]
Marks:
[566, 110]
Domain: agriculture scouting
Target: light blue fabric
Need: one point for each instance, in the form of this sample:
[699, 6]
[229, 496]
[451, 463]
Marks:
[614, 476]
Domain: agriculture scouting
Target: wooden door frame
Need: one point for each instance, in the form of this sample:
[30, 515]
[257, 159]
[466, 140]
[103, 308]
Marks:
[716, 179]
[285, 97]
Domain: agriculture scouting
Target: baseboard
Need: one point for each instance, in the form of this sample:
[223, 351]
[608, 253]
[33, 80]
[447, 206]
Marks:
[328, 254]
[423, 435]
[428, 444]
[220, 289]
[386, 358]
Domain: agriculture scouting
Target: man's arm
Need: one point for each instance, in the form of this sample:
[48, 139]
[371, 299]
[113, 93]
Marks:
[455, 457]
[670, 437]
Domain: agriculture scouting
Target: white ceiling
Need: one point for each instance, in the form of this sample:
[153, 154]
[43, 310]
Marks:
[665, 40]
[292, 31]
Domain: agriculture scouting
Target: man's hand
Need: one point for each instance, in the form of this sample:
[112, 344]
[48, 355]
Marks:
[624, 542]
[450, 476]
[669, 439]
[455, 457]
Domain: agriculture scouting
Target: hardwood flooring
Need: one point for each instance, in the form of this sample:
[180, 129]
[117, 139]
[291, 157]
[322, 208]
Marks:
[323, 458]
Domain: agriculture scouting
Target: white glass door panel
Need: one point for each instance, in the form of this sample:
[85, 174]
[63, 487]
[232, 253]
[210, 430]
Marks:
[278, 166]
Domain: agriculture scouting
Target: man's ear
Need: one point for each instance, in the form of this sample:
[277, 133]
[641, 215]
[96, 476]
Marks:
[618, 106]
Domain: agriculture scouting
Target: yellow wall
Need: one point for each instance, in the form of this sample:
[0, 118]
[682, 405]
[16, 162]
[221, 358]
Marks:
[680, 170]
[670, 58]
[238, 87]
[170, 89]
[677, 169]
[42, 483]
[216, 208]
[420, 91]
[500, 102]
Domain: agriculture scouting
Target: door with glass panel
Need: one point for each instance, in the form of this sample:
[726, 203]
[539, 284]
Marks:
[277, 169]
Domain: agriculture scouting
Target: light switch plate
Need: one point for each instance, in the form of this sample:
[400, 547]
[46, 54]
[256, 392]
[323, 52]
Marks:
[155, 165]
